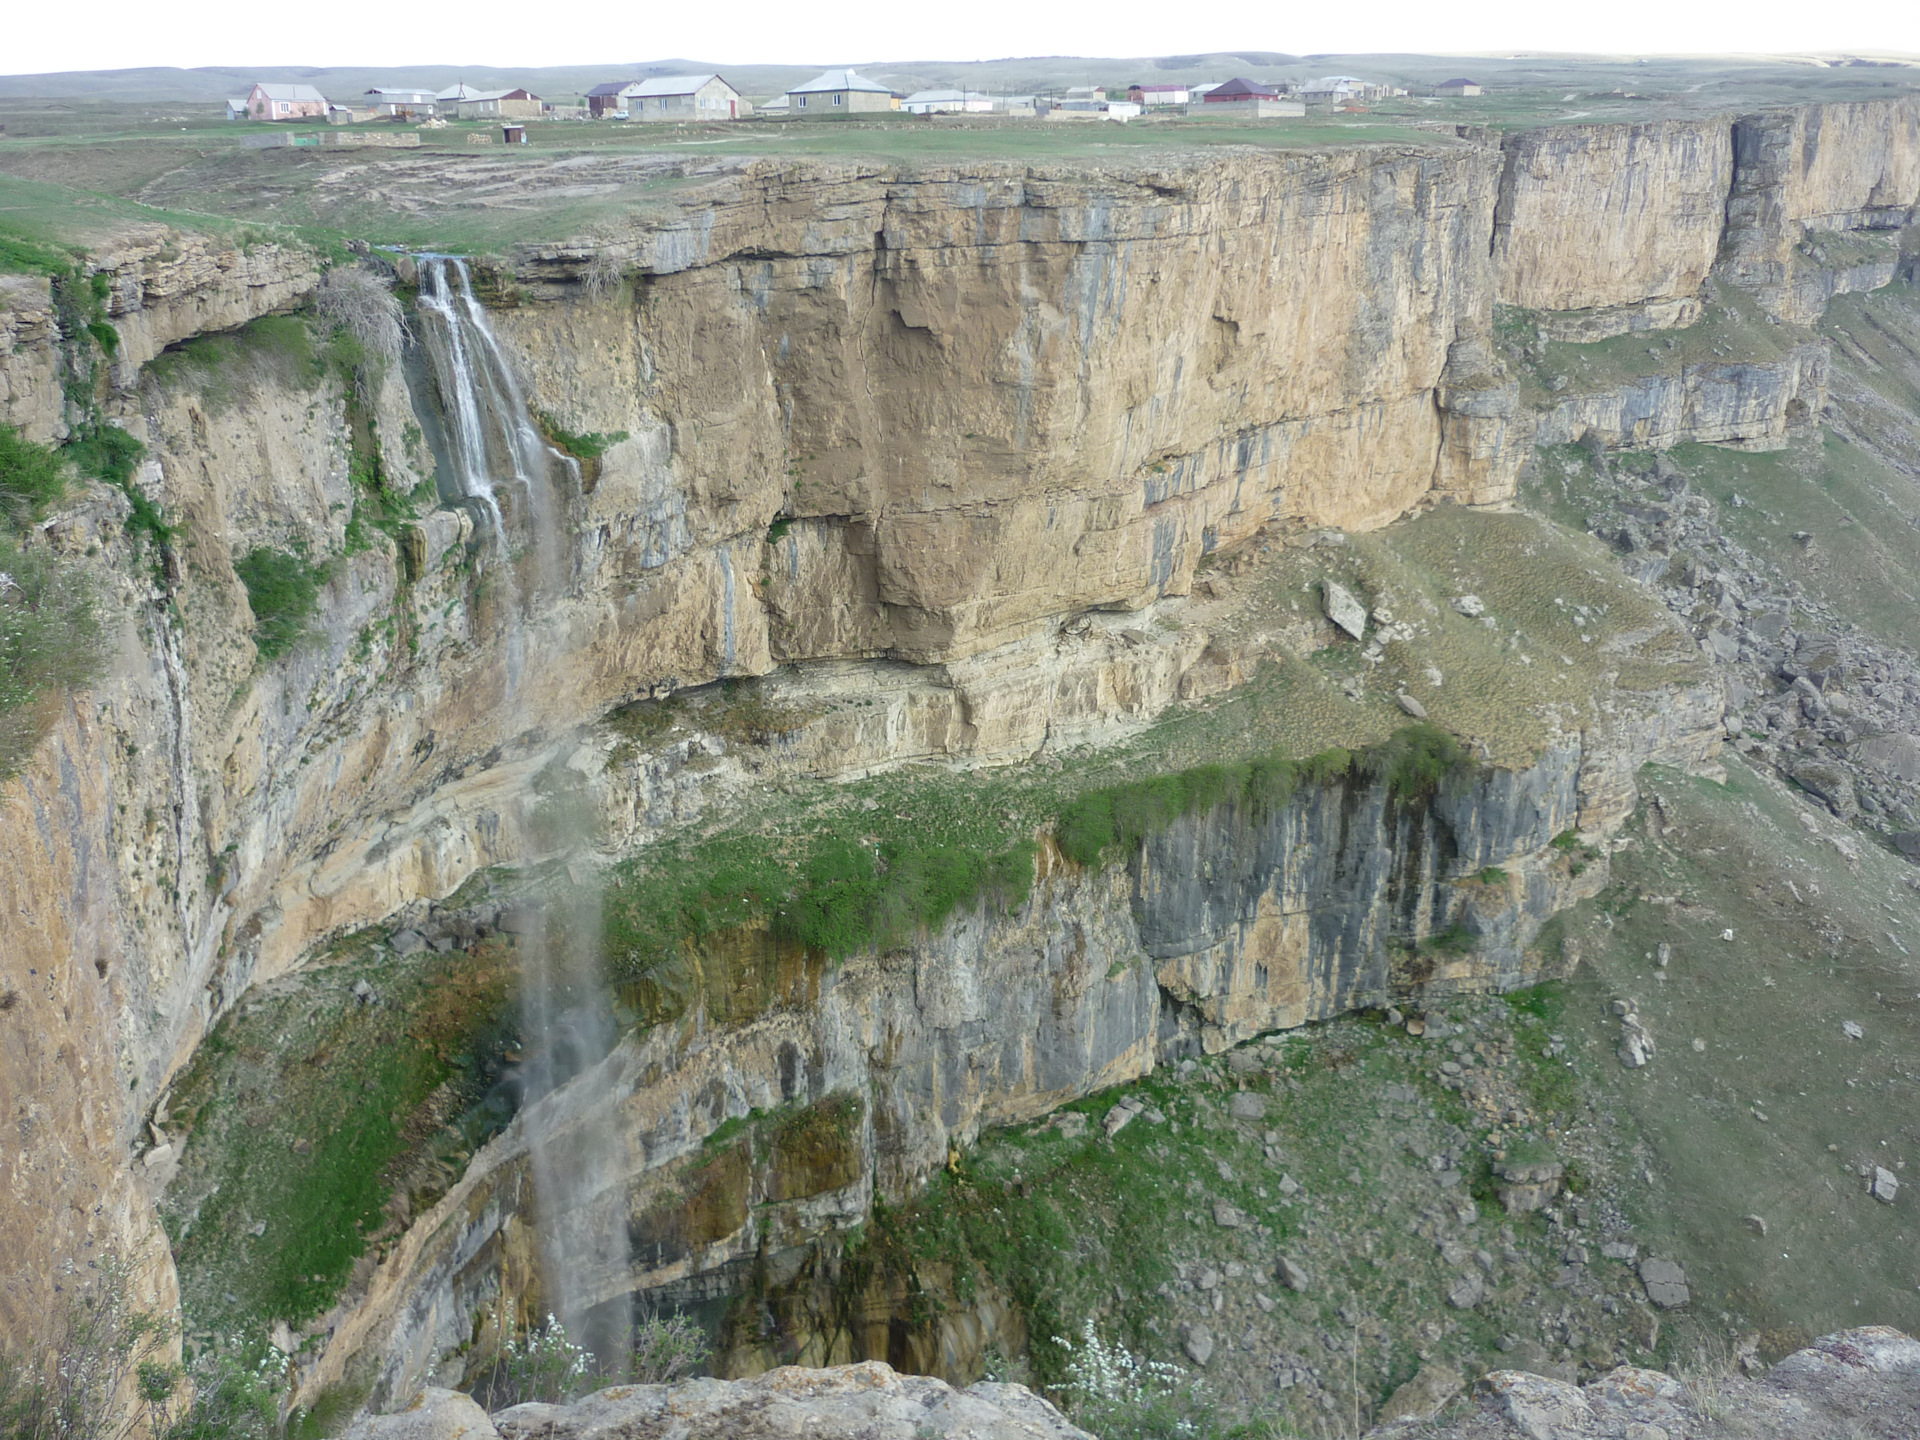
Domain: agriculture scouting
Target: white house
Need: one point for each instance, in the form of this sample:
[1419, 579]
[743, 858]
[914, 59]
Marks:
[1341, 90]
[947, 102]
[685, 97]
[1151, 95]
[419, 103]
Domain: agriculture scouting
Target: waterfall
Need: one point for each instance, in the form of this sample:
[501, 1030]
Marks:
[501, 464]
[493, 445]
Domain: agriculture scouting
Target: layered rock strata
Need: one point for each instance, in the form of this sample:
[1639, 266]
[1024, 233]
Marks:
[985, 399]
[1227, 925]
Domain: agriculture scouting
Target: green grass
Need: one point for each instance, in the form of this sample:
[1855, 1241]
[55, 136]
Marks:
[225, 369]
[588, 446]
[306, 1114]
[51, 643]
[32, 477]
[283, 590]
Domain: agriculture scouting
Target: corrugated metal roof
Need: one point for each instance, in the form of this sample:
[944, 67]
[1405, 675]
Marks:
[840, 80]
[276, 90]
[610, 87]
[674, 85]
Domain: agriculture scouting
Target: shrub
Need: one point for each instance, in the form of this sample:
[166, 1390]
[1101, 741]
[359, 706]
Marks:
[1415, 760]
[32, 477]
[100, 1375]
[358, 302]
[105, 452]
[282, 591]
[544, 1367]
[50, 642]
[590, 445]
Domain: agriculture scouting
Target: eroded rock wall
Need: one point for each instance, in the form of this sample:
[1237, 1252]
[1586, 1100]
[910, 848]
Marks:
[1226, 925]
[984, 398]
[1603, 216]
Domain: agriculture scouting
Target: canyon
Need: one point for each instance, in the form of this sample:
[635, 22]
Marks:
[908, 476]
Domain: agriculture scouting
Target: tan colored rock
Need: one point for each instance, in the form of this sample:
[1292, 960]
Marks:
[435, 1414]
[1813, 169]
[869, 1400]
[1610, 215]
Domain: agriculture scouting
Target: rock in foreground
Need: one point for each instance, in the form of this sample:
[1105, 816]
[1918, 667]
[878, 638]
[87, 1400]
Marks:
[869, 1400]
[1859, 1382]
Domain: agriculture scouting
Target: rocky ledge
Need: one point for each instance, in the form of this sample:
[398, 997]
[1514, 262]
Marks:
[869, 1400]
[1863, 1383]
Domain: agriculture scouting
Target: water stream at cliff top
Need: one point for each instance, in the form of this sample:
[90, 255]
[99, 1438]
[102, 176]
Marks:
[518, 487]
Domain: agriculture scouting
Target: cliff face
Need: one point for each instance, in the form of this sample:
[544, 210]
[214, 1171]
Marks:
[1596, 216]
[1812, 170]
[981, 400]
[1006, 396]
[1224, 926]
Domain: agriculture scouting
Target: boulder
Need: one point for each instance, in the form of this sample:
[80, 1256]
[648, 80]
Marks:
[1247, 1106]
[869, 1400]
[1199, 1345]
[435, 1415]
[1292, 1275]
[1344, 610]
[1665, 1282]
[1830, 784]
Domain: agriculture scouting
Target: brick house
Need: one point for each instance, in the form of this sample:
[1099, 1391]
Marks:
[272, 100]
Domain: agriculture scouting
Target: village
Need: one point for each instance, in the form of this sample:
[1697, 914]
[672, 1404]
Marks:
[838, 94]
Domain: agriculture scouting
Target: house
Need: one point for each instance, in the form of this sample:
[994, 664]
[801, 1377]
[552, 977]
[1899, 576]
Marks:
[609, 98]
[685, 97]
[1147, 96]
[1228, 91]
[237, 108]
[403, 104]
[1457, 87]
[775, 108]
[947, 102]
[1085, 95]
[834, 94]
[275, 101]
[498, 104]
[1341, 90]
[454, 94]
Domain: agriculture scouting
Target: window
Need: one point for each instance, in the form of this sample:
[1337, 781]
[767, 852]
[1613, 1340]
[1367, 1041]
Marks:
[663, 102]
[803, 102]
[836, 99]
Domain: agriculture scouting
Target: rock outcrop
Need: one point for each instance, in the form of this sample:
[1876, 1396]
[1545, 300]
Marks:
[1226, 925]
[1857, 1382]
[912, 422]
[1611, 217]
[868, 1400]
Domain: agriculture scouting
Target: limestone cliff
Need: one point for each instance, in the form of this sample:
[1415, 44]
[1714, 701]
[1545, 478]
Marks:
[904, 424]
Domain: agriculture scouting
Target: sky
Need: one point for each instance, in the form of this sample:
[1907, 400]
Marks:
[115, 34]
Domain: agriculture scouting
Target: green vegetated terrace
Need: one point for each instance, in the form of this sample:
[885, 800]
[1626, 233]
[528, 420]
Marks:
[839, 866]
[316, 1123]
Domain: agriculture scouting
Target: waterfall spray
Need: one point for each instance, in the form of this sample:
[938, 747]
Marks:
[503, 466]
